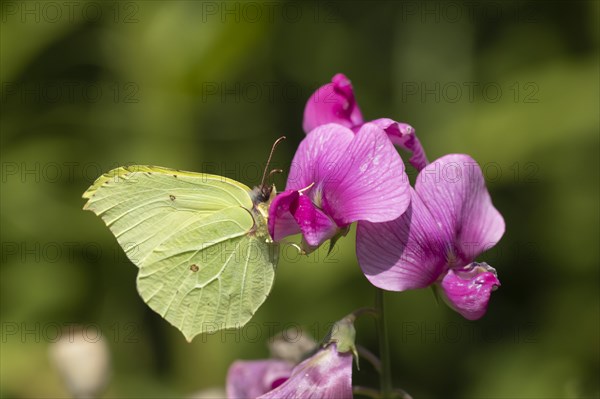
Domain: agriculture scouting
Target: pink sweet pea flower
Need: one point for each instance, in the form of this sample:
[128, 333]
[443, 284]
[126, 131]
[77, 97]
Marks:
[325, 375]
[338, 177]
[450, 221]
[326, 372]
[335, 103]
[250, 379]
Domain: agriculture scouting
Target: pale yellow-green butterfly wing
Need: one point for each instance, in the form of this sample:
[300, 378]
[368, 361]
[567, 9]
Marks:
[205, 258]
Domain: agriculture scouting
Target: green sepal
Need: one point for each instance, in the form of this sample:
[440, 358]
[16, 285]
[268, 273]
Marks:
[436, 294]
[341, 233]
[343, 334]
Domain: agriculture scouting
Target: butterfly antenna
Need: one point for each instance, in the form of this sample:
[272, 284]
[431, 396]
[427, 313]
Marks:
[275, 144]
[271, 173]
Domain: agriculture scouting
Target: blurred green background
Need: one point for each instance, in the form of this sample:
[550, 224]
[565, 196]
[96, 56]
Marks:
[208, 86]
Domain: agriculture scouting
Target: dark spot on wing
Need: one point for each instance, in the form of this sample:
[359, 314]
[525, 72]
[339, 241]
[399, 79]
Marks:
[172, 197]
[174, 175]
[194, 268]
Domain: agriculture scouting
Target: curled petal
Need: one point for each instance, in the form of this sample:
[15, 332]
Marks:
[368, 182]
[406, 253]
[467, 290]
[453, 189]
[250, 379]
[332, 103]
[327, 374]
[315, 225]
[281, 221]
[292, 213]
[403, 135]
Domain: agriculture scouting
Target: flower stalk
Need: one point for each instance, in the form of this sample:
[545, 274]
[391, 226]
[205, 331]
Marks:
[369, 357]
[385, 377]
[365, 391]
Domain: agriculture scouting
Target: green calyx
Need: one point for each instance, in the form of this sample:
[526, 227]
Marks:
[343, 334]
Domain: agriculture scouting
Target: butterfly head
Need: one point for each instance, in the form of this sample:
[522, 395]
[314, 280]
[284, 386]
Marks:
[263, 194]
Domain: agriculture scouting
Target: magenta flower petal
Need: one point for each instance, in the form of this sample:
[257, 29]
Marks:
[315, 225]
[250, 379]
[453, 189]
[369, 182]
[326, 374]
[403, 135]
[332, 103]
[467, 290]
[292, 213]
[450, 221]
[281, 221]
[406, 253]
[335, 103]
[318, 155]
[339, 177]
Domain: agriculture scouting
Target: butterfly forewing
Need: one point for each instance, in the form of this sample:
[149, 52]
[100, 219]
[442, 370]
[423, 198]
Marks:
[142, 204]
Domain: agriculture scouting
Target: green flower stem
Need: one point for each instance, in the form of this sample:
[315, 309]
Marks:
[364, 391]
[402, 394]
[385, 377]
[370, 357]
[365, 311]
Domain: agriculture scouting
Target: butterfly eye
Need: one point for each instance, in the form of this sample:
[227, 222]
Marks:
[265, 192]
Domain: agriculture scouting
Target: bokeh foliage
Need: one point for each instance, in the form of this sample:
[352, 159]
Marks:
[174, 83]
